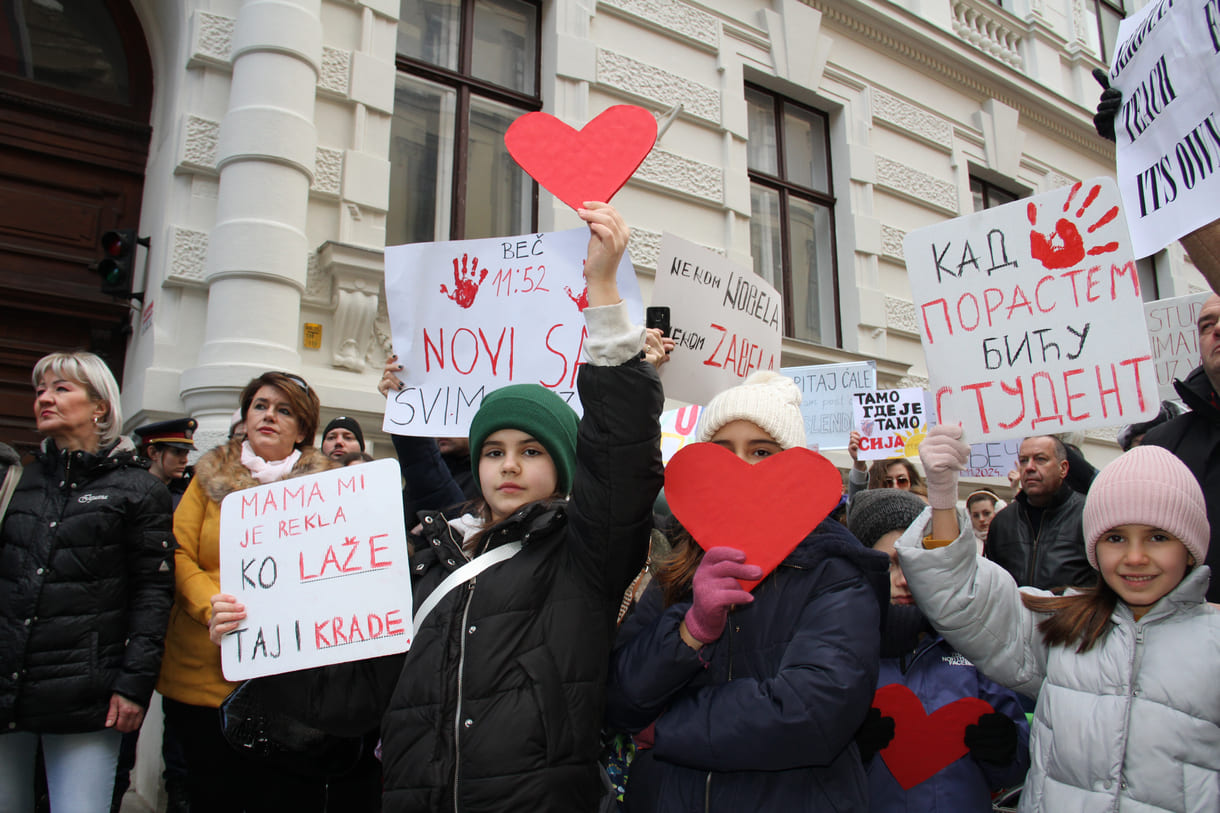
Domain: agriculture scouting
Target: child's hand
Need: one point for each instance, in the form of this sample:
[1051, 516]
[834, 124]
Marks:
[607, 242]
[944, 454]
[716, 590]
[874, 734]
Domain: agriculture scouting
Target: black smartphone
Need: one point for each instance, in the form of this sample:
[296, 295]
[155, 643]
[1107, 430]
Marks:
[658, 317]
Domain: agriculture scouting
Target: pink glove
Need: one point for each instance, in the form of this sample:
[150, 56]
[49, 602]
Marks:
[717, 589]
[944, 454]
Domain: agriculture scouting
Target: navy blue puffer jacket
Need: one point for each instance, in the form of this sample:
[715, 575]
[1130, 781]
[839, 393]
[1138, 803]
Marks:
[764, 718]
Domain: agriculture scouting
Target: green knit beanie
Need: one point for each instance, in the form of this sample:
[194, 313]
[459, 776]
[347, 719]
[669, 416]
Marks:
[537, 411]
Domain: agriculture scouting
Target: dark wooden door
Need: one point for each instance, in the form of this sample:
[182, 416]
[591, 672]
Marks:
[75, 89]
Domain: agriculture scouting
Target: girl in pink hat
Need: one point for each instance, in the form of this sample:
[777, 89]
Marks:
[1127, 714]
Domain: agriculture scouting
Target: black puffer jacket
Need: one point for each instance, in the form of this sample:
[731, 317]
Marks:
[1050, 556]
[86, 583]
[498, 704]
[1195, 439]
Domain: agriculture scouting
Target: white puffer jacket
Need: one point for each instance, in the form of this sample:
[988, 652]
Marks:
[1132, 725]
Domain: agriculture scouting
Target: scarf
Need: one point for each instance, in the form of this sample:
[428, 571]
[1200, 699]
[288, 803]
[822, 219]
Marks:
[264, 471]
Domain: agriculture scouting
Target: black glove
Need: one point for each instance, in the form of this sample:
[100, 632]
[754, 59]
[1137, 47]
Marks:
[1108, 105]
[993, 739]
[874, 734]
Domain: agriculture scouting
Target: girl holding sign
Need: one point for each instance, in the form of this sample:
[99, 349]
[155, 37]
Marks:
[279, 412]
[498, 704]
[750, 700]
[1127, 715]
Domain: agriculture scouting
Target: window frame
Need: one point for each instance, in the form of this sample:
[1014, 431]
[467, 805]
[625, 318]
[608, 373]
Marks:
[785, 188]
[465, 85]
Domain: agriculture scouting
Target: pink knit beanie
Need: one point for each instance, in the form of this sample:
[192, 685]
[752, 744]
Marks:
[1147, 486]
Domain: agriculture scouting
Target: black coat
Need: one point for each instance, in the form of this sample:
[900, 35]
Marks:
[765, 717]
[1050, 556]
[86, 584]
[498, 704]
[1195, 438]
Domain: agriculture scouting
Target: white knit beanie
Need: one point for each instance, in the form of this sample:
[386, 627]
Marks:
[1147, 486]
[767, 399]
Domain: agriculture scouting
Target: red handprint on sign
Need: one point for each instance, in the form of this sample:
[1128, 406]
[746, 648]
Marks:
[465, 286]
[1064, 246]
[581, 299]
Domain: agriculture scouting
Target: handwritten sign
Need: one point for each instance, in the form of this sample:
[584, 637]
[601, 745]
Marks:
[726, 322]
[892, 423]
[1027, 312]
[827, 396]
[1167, 64]
[993, 458]
[471, 316]
[678, 429]
[1174, 334]
[321, 564]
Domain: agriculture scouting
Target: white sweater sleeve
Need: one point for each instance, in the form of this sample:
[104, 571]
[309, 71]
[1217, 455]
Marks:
[976, 605]
[612, 338]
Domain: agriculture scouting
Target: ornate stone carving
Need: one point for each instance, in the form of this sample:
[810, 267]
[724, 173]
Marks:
[335, 72]
[913, 380]
[357, 274]
[672, 17]
[328, 171]
[650, 82]
[900, 315]
[317, 286]
[188, 253]
[683, 175]
[986, 26]
[916, 184]
[214, 37]
[644, 245]
[891, 242]
[907, 118]
[199, 143]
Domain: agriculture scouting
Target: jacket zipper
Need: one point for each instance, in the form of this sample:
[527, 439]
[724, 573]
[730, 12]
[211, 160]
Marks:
[707, 785]
[457, 714]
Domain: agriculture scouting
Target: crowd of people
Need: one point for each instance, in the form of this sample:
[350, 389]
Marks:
[562, 662]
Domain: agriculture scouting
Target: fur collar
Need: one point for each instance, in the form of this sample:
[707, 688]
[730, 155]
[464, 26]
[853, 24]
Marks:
[220, 471]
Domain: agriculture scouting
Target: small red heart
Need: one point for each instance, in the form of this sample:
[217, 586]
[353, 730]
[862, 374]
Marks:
[925, 743]
[764, 509]
[587, 164]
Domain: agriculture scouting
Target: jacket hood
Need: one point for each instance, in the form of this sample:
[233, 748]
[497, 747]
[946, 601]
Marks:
[1197, 393]
[831, 539]
[121, 453]
[220, 472]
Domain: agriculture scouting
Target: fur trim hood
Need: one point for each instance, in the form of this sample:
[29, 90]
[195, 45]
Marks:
[220, 472]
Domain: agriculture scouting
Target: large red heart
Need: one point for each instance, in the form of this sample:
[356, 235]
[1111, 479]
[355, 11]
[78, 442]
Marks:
[764, 509]
[587, 164]
[924, 743]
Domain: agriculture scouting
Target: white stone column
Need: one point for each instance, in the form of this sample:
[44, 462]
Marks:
[257, 251]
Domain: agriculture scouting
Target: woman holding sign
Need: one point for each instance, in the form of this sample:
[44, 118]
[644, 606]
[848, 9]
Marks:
[751, 700]
[279, 413]
[498, 704]
[86, 580]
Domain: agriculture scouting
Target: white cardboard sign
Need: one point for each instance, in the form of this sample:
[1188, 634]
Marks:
[1174, 334]
[471, 316]
[892, 423]
[993, 459]
[827, 392]
[726, 322]
[1026, 313]
[678, 429]
[1167, 64]
[321, 564]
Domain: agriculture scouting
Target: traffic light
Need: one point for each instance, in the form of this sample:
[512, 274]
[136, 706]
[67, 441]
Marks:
[117, 265]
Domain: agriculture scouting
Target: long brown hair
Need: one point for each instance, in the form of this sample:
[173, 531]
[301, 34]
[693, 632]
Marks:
[1083, 617]
[877, 472]
[677, 570]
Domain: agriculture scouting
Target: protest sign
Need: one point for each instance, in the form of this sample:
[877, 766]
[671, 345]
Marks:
[321, 564]
[826, 399]
[726, 322]
[892, 423]
[1027, 313]
[471, 316]
[1174, 334]
[678, 429]
[993, 458]
[1167, 64]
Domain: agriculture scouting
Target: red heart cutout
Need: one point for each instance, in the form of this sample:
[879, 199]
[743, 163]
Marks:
[924, 743]
[764, 509]
[587, 164]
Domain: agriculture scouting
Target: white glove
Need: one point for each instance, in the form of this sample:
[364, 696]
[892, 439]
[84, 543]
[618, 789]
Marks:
[944, 455]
